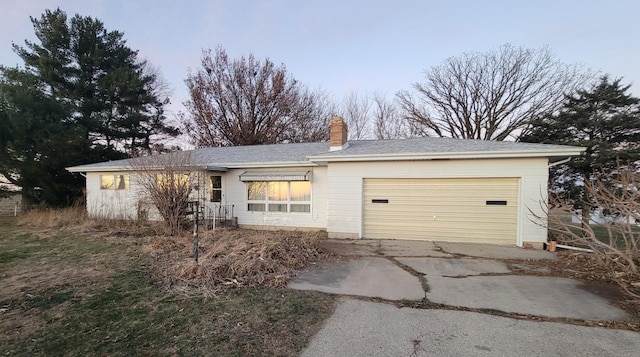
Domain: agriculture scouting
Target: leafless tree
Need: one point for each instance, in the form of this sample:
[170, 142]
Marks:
[613, 236]
[246, 101]
[166, 182]
[489, 95]
[388, 124]
[356, 111]
[310, 122]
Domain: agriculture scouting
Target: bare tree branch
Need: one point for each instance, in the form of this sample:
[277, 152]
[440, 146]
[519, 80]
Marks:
[356, 110]
[612, 231]
[490, 95]
[246, 101]
[387, 122]
[166, 182]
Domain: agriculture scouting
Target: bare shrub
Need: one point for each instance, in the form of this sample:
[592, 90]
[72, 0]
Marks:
[615, 237]
[166, 181]
[234, 258]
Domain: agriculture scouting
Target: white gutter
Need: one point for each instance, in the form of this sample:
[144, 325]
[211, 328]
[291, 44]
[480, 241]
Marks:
[254, 165]
[248, 165]
[563, 246]
[448, 155]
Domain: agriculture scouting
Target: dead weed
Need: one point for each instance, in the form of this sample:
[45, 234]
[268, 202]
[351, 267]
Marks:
[75, 219]
[233, 258]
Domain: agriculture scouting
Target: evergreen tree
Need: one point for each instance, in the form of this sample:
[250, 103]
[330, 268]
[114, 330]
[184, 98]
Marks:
[37, 141]
[605, 120]
[82, 96]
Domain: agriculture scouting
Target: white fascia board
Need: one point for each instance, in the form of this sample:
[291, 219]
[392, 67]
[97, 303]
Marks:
[450, 155]
[255, 165]
[249, 165]
[97, 169]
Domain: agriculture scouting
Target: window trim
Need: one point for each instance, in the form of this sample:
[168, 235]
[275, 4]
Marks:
[214, 189]
[265, 202]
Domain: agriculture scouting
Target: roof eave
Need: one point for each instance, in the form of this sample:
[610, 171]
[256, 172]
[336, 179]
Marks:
[451, 155]
[253, 165]
[248, 165]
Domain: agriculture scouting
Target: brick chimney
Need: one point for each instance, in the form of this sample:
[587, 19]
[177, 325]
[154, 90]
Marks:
[337, 134]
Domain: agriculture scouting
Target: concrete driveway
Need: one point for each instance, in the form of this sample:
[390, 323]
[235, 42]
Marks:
[455, 276]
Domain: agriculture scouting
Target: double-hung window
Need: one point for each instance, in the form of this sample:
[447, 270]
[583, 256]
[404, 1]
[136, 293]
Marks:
[279, 196]
[215, 188]
[114, 182]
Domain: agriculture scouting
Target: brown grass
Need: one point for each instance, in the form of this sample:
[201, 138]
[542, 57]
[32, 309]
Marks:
[227, 258]
[87, 289]
[38, 277]
[53, 218]
[234, 258]
[76, 219]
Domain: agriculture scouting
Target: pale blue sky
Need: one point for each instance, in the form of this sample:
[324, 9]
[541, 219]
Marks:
[342, 45]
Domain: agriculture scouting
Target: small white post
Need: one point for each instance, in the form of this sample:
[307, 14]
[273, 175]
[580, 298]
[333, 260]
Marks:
[214, 219]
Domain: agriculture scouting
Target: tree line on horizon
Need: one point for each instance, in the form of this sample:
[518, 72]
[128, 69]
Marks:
[82, 95]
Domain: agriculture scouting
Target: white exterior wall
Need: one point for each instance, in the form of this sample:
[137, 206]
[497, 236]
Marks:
[234, 192]
[345, 186]
[123, 204]
[111, 204]
[336, 193]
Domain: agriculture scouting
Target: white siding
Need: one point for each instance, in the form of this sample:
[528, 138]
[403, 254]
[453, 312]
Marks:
[235, 193]
[345, 186]
[123, 204]
[337, 193]
[111, 204]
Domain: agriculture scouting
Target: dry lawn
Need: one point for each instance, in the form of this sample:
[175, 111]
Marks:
[74, 286]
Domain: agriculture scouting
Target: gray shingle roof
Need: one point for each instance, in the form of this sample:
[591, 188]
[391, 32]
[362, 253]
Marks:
[305, 154]
[431, 145]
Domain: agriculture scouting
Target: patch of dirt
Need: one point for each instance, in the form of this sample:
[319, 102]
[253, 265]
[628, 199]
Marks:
[594, 278]
[23, 279]
[350, 248]
[15, 324]
[609, 291]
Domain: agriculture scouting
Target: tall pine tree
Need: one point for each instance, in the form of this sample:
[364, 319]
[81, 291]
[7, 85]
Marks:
[82, 96]
[605, 120]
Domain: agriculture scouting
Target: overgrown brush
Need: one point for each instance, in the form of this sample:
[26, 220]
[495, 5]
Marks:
[76, 218]
[53, 218]
[234, 258]
[614, 239]
[228, 258]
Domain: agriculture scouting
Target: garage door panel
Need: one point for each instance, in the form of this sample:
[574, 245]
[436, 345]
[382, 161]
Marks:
[447, 209]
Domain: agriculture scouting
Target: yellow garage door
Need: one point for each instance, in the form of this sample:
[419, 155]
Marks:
[464, 210]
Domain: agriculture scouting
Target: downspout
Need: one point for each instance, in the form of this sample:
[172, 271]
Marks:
[559, 162]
